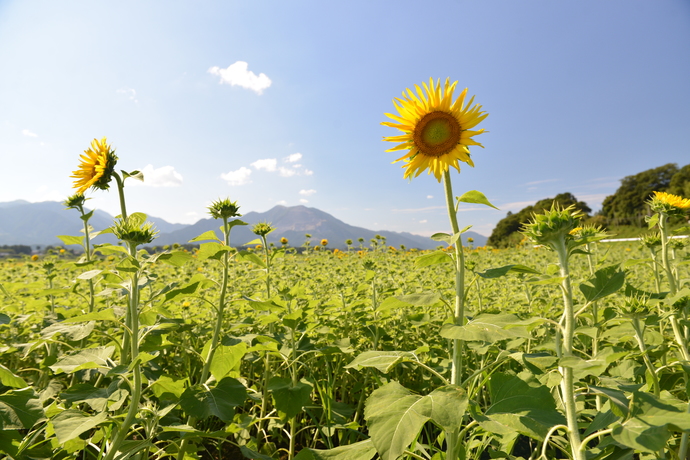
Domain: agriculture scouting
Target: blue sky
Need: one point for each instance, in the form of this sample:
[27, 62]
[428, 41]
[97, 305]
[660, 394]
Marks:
[280, 102]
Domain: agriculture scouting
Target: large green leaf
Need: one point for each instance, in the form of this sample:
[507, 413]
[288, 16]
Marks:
[288, 398]
[363, 450]
[448, 407]
[226, 358]
[487, 328]
[20, 409]
[384, 361]
[90, 358]
[209, 235]
[175, 258]
[438, 257]
[653, 419]
[502, 271]
[606, 281]
[476, 197]
[395, 417]
[519, 407]
[211, 250]
[10, 379]
[71, 423]
[71, 331]
[220, 401]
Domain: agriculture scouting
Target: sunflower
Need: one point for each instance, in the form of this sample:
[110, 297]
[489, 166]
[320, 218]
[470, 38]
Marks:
[96, 167]
[438, 130]
[664, 202]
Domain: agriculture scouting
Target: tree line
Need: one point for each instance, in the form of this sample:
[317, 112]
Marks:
[626, 207]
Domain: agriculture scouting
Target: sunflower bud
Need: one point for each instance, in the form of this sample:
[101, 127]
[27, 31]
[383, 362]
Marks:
[552, 226]
[262, 228]
[133, 231]
[224, 209]
[651, 240]
[75, 201]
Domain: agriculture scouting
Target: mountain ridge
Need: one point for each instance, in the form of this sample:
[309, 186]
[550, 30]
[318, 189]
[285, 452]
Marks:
[22, 222]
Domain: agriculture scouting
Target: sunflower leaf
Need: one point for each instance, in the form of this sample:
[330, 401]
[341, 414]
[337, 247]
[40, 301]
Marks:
[476, 197]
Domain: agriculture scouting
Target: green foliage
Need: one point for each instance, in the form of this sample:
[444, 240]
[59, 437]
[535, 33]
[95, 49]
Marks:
[506, 233]
[628, 205]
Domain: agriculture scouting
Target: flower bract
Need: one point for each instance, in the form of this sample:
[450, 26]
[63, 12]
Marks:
[437, 130]
[96, 167]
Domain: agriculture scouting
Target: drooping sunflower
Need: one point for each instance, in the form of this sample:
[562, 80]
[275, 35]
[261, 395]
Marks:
[438, 131]
[96, 167]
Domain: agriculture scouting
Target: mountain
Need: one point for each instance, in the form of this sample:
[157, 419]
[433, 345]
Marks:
[27, 223]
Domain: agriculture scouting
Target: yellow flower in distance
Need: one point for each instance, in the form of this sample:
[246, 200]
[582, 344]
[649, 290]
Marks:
[672, 200]
[96, 167]
[438, 131]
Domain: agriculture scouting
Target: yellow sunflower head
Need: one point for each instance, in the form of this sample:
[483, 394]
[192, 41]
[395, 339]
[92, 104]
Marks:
[437, 130]
[668, 203]
[96, 167]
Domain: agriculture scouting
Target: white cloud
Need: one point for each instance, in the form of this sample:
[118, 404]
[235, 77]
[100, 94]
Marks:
[307, 192]
[269, 164]
[293, 158]
[430, 196]
[165, 176]
[28, 133]
[297, 165]
[129, 93]
[285, 172]
[238, 75]
[302, 200]
[545, 181]
[308, 172]
[282, 202]
[423, 221]
[239, 177]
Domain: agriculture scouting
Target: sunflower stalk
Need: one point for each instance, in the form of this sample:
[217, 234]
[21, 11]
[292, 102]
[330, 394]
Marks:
[133, 362]
[568, 383]
[453, 439]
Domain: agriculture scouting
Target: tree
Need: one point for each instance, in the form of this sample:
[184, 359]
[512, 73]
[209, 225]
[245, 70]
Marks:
[507, 230]
[680, 182]
[628, 205]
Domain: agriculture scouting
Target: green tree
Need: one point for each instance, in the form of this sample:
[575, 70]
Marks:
[506, 233]
[628, 205]
[680, 182]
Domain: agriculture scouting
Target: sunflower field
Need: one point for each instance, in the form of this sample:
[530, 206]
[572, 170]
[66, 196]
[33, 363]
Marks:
[570, 346]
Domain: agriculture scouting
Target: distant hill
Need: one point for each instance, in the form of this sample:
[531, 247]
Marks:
[27, 223]
[22, 222]
[296, 221]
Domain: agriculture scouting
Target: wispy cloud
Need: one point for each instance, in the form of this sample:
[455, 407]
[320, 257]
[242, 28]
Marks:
[515, 205]
[286, 172]
[129, 93]
[238, 74]
[545, 181]
[165, 176]
[307, 192]
[429, 197]
[428, 208]
[238, 177]
[28, 133]
[302, 200]
[269, 164]
[293, 158]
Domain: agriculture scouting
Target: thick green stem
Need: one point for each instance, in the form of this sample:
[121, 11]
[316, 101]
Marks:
[639, 336]
[215, 339]
[568, 383]
[135, 398]
[452, 438]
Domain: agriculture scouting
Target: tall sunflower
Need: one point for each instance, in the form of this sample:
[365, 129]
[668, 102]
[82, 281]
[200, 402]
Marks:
[438, 130]
[96, 167]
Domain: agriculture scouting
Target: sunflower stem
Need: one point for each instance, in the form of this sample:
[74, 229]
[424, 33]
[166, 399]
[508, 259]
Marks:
[452, 438]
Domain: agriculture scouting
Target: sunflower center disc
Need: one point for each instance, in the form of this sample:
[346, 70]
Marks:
[437, 133]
